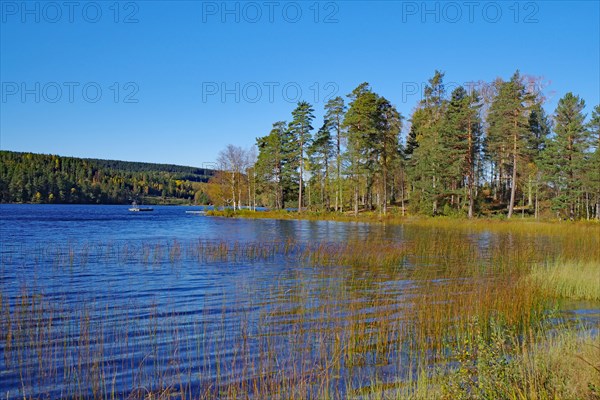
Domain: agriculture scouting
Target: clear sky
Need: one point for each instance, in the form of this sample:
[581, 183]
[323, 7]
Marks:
[175, 82]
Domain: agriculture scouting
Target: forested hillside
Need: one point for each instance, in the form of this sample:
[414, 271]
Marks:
[40, 178]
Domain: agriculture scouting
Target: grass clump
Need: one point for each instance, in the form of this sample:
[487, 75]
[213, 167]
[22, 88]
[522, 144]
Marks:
[569, 279]
[564, 364]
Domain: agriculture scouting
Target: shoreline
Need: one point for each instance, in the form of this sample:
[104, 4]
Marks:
[394, 219]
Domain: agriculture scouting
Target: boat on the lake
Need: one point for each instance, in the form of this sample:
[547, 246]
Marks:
[136, 208]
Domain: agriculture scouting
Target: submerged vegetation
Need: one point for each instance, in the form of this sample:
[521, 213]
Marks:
[447, 312]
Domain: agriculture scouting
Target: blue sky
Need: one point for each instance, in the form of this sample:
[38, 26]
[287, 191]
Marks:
[175, 82]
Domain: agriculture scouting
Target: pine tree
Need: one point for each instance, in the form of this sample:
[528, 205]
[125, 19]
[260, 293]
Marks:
[320, 152]
[387, 142]
[361, 123]
[508, 131]
[334, 114]
[300, 137]
[271, 163]
[594, 175]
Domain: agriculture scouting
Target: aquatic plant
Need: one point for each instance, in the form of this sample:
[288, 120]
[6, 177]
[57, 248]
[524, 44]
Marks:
[441, 313]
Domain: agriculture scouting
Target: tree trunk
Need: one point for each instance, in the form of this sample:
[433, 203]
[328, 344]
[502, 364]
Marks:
[434, 210]
[384, 187]
[530, 193]
[327, 185]
[249, 191]
[402, 191]
[571, 180]
[240, 191]
[513, 189]
[233, 189]
[254, 189]
[301, 173]
[338, 193]
[471, 201]
[308, 194]
[537, 210]
[356, 199]
[324, 195]
[587, 205]
[494, 186]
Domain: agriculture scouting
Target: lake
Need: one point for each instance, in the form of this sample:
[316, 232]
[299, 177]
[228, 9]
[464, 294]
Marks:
[97, 301]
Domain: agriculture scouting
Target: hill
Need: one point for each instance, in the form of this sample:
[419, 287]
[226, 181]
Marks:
[43, 178]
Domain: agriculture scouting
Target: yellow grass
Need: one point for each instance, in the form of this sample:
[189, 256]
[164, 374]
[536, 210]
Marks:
[569, 279]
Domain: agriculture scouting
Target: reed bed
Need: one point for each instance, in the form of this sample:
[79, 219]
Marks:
[394, 217]
[380, 253]
[444, 313]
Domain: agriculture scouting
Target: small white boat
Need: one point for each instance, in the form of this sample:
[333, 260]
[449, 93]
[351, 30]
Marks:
[136, 208]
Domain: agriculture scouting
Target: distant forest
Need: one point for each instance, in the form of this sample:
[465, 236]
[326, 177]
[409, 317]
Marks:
[41, 178]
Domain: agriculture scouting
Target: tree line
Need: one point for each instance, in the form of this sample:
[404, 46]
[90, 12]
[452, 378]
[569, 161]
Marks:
[40, 178]
[466, 153]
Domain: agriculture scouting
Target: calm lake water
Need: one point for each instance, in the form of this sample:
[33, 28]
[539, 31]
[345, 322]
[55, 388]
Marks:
[102, 282]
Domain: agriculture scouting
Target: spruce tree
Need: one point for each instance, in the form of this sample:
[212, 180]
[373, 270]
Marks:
[427, 162]
[539, 128]
[564, 158]
[460, 140]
